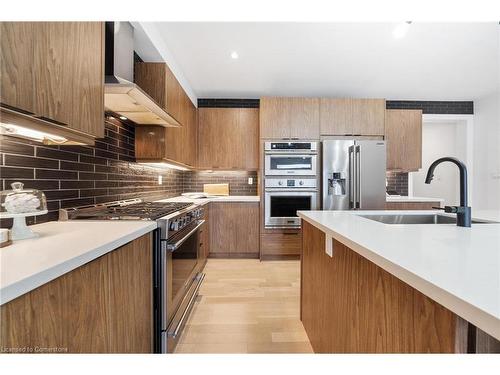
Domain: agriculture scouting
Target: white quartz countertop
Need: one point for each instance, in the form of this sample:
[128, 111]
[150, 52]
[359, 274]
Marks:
[456, 267]
[403, 198]
[225, 198]
[61, 247]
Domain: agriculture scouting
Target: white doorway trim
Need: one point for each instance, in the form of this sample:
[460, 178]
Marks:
[468, 121]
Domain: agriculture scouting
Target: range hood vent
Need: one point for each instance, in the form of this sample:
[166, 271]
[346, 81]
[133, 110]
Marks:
[121, 95]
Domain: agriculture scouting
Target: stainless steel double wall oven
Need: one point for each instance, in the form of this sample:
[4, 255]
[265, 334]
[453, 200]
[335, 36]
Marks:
[290, 182]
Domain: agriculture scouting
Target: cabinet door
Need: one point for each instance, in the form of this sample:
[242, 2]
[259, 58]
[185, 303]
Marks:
[274, 118]
[346, 116]
[223, 239]
[234, 229]
[403, 135]
[85, 64]
[368, 116]
[52, 72]
[218, 143]
[247, 139]
[69, 74]
[16, 65]
[285, 118]
[303, 117]
[246, 221]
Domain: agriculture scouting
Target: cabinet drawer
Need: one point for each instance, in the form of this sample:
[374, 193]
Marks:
[285, 243]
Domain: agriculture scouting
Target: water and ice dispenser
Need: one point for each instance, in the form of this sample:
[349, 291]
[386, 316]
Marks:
[336, 184]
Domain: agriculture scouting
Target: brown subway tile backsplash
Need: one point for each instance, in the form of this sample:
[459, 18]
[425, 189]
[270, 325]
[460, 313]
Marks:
[397, 181]
[82, 175]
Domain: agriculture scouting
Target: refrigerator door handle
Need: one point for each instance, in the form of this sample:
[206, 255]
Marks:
[352, 190]
[358, 176]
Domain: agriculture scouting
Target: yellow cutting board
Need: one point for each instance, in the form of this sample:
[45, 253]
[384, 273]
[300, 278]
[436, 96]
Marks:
[216, 189]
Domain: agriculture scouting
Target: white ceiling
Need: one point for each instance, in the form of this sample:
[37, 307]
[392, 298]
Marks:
[433, 61]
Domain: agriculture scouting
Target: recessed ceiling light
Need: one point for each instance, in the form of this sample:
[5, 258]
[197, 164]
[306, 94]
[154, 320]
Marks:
[234, 55]
[123, 118]
[401, 30]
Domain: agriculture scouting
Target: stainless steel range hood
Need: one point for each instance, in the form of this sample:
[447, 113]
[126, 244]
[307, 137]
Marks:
[121, 95]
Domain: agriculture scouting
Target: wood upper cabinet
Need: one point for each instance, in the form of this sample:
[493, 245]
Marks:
[179, 143]
[158, 81]
[289, 118]
[234, 229]
[16, 64]
[55, 71]
[403, 136]
[228, 138]
[104, 306]
[346, 116]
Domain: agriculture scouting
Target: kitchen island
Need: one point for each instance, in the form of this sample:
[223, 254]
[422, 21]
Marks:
[398, 287]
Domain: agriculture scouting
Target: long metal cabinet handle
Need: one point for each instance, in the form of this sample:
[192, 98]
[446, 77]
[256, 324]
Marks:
[358, 177]
[351, 176]
[188, 308]
[175, 246]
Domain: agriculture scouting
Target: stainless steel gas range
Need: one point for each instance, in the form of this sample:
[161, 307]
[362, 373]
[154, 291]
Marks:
[176, 280]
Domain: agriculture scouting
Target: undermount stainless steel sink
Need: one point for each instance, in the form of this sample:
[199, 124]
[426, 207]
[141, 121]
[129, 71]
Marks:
[417, 219]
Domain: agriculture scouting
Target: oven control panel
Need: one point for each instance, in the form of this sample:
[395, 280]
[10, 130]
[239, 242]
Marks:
[291, 183]
[179, 222]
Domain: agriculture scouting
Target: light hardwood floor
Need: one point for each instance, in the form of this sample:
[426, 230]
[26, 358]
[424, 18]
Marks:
[247, 306]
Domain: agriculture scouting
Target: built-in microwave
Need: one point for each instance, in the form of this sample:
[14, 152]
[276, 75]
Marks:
[290, 158]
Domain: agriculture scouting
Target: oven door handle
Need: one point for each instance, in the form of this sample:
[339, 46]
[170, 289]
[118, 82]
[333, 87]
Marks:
[174, 246]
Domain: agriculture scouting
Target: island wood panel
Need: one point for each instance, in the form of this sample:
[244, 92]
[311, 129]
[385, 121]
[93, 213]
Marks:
[403, 136]
[104, 306]
[349, 116]
[16, 65]
[411, 205]
[234, 230]
[350, 305]
[285, 118]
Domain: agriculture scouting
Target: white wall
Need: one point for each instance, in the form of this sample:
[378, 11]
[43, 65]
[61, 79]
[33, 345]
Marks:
[487, 152]
[445, 138]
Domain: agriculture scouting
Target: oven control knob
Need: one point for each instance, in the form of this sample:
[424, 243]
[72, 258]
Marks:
[280, 183]
[301, 182]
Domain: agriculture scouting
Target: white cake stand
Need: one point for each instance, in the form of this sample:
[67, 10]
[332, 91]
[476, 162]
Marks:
[20, 231]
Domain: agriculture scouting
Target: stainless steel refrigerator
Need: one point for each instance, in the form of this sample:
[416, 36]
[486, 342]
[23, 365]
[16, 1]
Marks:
[353, 174]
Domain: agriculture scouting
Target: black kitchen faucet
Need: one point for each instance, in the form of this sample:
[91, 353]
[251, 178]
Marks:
[463, 211]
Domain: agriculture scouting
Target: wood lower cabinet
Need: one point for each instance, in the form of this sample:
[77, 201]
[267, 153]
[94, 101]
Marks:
[289, 118]
[204, 237]
[234, 230]
[403, 136]
[347, 116]
[104, 306]
[350, 305]
[286, 244]
[229, 138]
[54, 71]
[412, 205]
